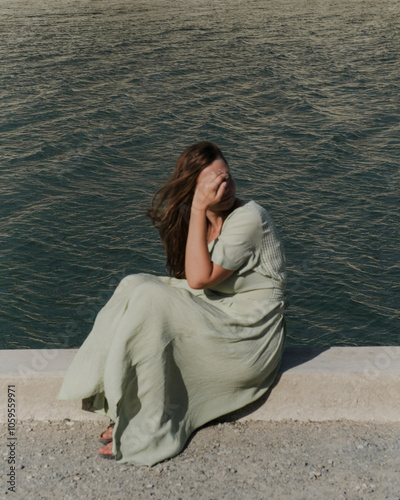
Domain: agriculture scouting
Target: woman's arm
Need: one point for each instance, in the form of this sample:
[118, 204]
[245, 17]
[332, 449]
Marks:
[200, 271]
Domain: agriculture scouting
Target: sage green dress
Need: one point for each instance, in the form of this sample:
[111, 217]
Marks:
[164, 359]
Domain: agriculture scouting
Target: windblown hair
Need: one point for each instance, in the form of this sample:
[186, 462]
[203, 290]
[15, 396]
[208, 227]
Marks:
[170, 206]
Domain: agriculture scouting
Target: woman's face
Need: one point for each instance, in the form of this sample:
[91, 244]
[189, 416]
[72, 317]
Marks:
[218, 166]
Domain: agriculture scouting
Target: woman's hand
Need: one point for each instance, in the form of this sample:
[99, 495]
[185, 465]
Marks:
[213, 198]
[210, 189]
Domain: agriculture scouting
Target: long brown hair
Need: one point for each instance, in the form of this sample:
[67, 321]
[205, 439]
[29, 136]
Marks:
[170, 206]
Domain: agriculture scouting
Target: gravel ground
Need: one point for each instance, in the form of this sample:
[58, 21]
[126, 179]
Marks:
[225, 460]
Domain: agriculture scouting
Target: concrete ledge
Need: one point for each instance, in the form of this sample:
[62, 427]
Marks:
[352, 383]
[37, 376]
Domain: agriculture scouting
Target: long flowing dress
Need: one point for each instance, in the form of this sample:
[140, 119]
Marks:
[163, 359]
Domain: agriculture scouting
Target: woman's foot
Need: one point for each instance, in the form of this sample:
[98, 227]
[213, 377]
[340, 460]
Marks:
[107, 435]
[106, 451]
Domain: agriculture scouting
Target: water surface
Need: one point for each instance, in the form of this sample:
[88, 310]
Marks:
[98, 99]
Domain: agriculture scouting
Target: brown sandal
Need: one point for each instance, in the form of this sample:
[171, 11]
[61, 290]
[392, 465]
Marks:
[103, 439]
[108, 456]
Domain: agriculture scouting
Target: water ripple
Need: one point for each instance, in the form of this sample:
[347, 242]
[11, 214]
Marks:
[98, 99]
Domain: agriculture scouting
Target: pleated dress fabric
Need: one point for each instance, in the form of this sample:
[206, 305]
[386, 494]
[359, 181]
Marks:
[163, 359]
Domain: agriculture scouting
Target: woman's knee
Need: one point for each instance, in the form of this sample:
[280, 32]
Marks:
[130, 282]
[153, 292]
[144, 292]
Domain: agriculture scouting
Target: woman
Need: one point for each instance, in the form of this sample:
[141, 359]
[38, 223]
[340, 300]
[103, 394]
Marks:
[168, 354]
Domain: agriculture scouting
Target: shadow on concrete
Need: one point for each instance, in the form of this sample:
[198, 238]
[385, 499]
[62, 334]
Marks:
[295, 356]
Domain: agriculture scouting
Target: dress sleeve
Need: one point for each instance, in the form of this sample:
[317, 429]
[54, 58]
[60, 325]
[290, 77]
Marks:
[239, 243]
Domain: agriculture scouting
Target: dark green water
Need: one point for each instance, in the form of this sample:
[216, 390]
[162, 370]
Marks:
[97, 100]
